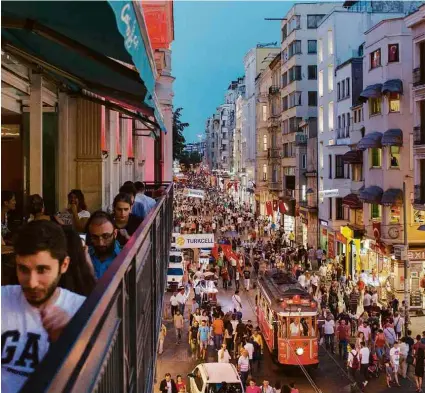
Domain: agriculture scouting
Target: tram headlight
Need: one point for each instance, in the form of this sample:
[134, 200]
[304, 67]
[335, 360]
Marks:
[299, 351]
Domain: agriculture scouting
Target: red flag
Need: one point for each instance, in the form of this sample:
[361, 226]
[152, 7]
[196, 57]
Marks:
[282, 208]
[269, 208]
[275, 206]
[236, 187]
[377, 231]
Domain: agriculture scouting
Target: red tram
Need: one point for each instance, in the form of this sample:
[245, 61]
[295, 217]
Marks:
[287, 316]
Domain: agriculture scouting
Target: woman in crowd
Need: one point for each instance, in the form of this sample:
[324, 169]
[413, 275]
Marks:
[419, 354]
[76, 214]
[8, 205]
[124, 221]
[37, 211]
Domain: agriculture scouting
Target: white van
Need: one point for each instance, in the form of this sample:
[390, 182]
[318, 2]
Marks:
[209, 378]
[176, 257]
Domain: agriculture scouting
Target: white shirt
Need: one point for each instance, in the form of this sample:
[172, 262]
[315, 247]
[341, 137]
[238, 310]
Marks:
[351, 356]
[237, 302]
[250, 348]
[301, 280]
[395, 355]
[314, 280]
[243, 363]
[364, 355]
[323, 270]
[375, 298]
[23, 335]
[294, 329]
[226, 356]
[181, 298]
[367, 300]
[404, 349]
[366, 331]
[363, 277]
[329, 327]
[173, 300]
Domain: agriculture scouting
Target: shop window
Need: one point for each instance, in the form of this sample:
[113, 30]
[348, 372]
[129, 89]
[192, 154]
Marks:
[394, 156]
[376, 157]
[395, 215]
[375, 211]
[394, 102]
[375, 106]
[418, 216]
[393, 53]
[375, 59]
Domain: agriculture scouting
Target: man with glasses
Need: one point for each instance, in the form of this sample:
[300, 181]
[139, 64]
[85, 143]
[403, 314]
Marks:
[104, 247]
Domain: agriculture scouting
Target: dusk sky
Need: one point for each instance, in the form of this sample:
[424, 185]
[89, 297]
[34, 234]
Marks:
[211, 40]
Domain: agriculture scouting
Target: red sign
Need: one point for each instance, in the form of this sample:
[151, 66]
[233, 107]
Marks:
[340, 238]
[275, 205]
[331, 245]
[376, 231]
[269, 208]
[282, 208]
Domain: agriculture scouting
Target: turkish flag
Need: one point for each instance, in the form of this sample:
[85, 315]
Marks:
[377, 231]
[282, 208]
[275, 205]
[269, 208]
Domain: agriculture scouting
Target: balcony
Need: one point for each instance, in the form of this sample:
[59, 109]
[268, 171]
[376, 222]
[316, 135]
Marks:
[300, 139]
[419, 194]
[418, 77]
[273, 90]
[274, 120]
[418, 136]
[273, 153]
[347, 136]
[289, 193]
[275, 186]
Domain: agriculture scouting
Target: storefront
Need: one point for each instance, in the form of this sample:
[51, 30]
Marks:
[304, 227]
[417, 279]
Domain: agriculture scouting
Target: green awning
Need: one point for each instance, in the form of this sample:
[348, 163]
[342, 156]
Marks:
[82, 45]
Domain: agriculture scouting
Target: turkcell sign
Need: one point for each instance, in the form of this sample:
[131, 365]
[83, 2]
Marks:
[190, 192]
[195, 241]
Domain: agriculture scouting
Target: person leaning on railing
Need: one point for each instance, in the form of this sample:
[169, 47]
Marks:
[35, 312]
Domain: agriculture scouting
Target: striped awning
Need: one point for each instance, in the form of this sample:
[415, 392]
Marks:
[392, 137]
[372, 194]
[352, 201]
[391, 197]
[353, 157]
[371, 91]
[370, 141]
[392, 86]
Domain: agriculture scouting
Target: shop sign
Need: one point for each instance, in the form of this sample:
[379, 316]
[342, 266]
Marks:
[329, 193]
[189, 192]
[323, 223]
[303, 216]
[340, 238]
[331, 245]
[347, 232]
[416, 255]
[416, 267]
[195, 241]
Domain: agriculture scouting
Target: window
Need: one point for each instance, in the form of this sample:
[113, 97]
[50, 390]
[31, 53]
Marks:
[376, 157]
[284, 55]
[393, 53]
[285, 150]
[343, 89]
[339, 167]
[312, 98]
[330, 77]
[347, 86]
[294, 123]
[294, 99]
[339, 209]
[320, 50]
[264, 112]
[293, 24]
[375, 59]
[395, 214]
[284, 32]
[285, 126]
[394, 102]
[294, 74]
[347, 130]
[321, 83]
[330, 208]
[321, 119]
[313, 21]
[338, 92]
[285, 103]
[375, 211]
[330, 166]
[374, 106]
[303, 161]
[284, 79]
[312, 72]
[264, 172]
[394, 156]
[330, 43]
[331, 115]
[312, 46]
[264, 142]
[321, 156]
[294, 48]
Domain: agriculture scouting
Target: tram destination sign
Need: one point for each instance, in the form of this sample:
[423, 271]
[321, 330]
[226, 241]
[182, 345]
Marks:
[195, 241]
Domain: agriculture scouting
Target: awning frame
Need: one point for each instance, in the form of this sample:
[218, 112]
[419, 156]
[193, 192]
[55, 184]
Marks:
[395, 135]
[375, 136]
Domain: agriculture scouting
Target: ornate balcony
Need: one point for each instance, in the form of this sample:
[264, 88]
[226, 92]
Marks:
[273, 90]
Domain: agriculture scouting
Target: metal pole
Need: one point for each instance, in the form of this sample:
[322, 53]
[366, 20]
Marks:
[405, 260]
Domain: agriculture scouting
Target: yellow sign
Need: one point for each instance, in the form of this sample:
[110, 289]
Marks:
[180, 241]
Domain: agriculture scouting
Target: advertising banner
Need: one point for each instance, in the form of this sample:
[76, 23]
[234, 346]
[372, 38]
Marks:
[195, 241]
[190, 192]
[331, 245]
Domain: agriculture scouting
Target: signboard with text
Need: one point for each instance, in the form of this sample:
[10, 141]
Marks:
[195, 241]
[190, 192]
[331, 245]
[329, 193]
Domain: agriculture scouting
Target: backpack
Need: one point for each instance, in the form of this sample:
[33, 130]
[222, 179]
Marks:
[356, 363]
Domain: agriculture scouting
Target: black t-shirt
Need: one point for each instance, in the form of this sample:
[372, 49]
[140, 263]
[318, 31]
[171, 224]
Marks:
[246, 274]
[194, 331]
[131, 227]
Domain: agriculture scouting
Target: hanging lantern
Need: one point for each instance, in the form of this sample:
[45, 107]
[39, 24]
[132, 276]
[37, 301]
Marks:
[296, 299]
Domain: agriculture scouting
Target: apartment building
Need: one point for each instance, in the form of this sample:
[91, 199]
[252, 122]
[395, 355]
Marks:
[298, 100]
[416, 23]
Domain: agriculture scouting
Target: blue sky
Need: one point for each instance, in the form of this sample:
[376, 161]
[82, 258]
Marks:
[211, 40]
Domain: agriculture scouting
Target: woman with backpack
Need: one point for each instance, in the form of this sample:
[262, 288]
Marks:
[353, 362]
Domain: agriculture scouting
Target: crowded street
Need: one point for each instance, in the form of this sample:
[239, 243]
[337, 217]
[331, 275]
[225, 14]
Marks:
[353, 319]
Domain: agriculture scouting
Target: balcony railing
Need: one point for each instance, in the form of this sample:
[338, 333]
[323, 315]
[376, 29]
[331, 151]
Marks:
[110, 344]
[274, 120]
[418, 77]
[273, 90]
[419, 194]
[273, 153]
[275, 186]
[300, 139]
[418, 135]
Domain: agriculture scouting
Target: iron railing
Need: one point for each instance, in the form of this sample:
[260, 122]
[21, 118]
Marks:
[300, 139]
[273, 153]
[110, 344]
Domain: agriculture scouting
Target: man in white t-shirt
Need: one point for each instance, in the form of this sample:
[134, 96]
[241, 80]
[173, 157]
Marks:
[364, 362]
[395, 360]
[329, 331]
[35, 312]
[302, 280]
[237, 302]
[223, 354]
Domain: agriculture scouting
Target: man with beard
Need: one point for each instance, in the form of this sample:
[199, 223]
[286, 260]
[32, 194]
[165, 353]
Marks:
[104, 247]
[35, 312]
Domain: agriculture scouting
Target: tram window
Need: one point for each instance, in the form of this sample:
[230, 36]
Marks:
[282, 327]
[294, 327]
[305, 326]
[313, 327]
